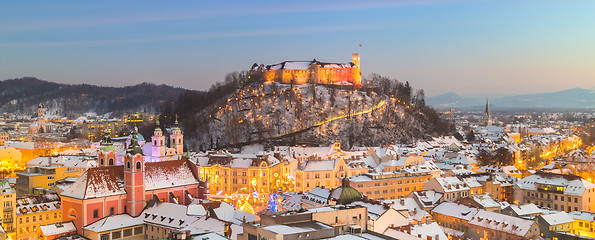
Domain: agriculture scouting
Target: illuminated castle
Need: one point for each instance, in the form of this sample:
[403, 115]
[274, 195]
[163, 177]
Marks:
[303, 72]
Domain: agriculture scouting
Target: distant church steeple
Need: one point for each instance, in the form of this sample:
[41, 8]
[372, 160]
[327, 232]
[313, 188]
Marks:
[487, 115]
[41, 119]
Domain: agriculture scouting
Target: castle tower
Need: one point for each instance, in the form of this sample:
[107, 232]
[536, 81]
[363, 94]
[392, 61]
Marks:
[158, 142]
[487, 115]
[357, 74]
[177, 139]
[41, 119]
[134, 178]
[107, 151]
[355, 59]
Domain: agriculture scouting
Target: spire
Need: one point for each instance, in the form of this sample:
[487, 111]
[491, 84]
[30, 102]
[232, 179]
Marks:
[487, 112]
[134, 148]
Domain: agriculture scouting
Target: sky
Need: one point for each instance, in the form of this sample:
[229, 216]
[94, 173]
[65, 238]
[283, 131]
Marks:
[466, 47]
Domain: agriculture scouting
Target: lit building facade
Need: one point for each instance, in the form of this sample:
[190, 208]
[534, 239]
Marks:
[228, 174]
[43, 177]
[555, 191]
[93, 130]
[304, 72]
[8, 198]
[389, 185]
[34, 211]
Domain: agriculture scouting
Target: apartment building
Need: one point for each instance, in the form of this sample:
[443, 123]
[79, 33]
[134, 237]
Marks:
[556, 191]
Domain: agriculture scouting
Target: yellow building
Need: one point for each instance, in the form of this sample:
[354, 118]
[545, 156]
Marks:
[389, 185]
[93, 130]
[228, 174]
[120, 226]
[584, 223]
[10, 158]
[41, 177]
[34, 211]
[8, 209]
[316, 172]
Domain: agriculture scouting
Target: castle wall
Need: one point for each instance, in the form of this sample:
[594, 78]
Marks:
[315, 74]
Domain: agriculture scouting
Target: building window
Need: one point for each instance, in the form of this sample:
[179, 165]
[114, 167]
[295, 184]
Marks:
[138, 165]
[116, 235]
[95, 213]
[111, 211]
[104, 236]
[128, 232]
[128, 165]
[138, 230]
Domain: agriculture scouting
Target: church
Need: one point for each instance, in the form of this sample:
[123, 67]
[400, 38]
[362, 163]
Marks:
[310, 72]
[125, 189]
[112, 154]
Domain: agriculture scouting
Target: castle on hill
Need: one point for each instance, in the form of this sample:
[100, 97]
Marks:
[315, 72]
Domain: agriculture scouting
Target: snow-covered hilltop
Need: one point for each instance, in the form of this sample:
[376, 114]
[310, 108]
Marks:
[309, 114]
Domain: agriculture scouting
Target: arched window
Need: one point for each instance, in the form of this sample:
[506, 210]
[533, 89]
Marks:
[180, 141]
[111, 162]
[161, 142]
[138, 165]
[102, 162]
[128, 165]
[155, 142]
[72, 213]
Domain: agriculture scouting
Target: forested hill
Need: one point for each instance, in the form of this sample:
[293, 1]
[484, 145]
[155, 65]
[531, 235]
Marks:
[20, 97]
[239, 112]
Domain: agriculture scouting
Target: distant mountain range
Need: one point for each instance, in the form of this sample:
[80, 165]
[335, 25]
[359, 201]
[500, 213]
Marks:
[567, 99]
[20, 97]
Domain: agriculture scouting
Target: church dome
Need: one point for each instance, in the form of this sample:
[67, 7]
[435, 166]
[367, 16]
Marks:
[134, 148]
[345, 194]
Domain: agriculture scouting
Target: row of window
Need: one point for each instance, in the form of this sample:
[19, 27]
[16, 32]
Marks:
[111, 212]
[41, 218]
[235, 173]
[548, 196]
[125, 233]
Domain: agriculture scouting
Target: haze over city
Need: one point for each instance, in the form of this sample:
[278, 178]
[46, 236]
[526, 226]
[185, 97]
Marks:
[467, 47]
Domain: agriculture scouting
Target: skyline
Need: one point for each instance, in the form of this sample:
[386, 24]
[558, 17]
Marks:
[440, 46]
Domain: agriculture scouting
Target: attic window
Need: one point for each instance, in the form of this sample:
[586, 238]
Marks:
[154, 216]
[147, 215]
[171, 220]
[181, 222]
[162, 218]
